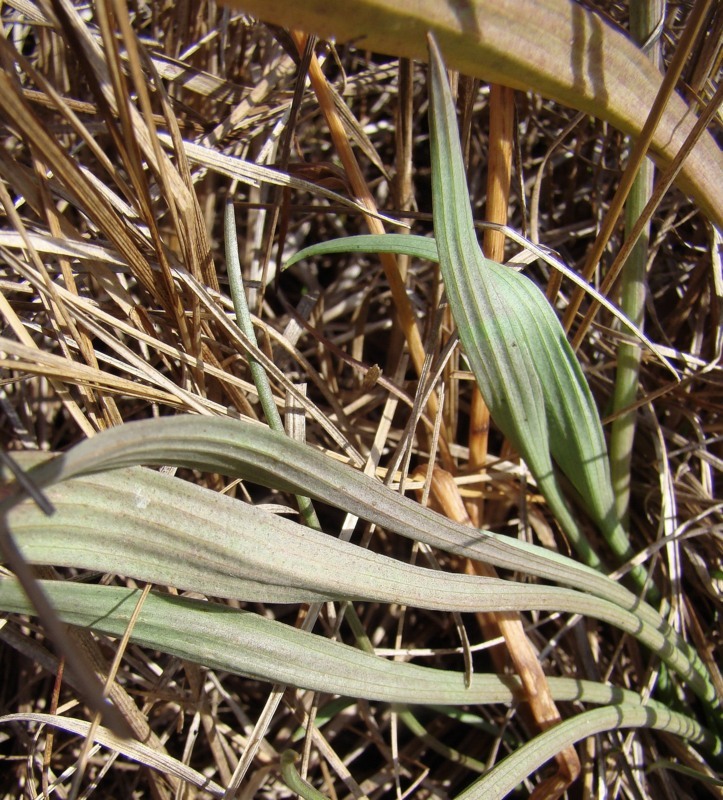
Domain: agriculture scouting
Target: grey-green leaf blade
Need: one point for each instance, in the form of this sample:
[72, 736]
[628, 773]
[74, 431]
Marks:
[505, 776]
[163, 530]
[551, 415]
[248, 644]
[399, 243]
[241, 448]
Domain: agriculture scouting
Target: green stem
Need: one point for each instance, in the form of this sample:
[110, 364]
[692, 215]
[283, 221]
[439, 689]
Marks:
[258, 373]
[643, 19]
[294, 781]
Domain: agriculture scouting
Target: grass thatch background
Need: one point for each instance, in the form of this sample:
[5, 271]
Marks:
[112, 277]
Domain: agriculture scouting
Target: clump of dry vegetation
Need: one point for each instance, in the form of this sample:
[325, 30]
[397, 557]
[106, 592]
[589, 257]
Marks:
[124, 131]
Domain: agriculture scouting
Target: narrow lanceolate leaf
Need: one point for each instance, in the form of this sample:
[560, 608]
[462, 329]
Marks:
[248, 644]
[242, 449]
[166, 531]
[515, 345]
[502, 779]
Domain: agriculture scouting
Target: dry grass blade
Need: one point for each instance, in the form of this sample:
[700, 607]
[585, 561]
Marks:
[567, 53]
[32, 361]
[135, 750]
[254, 174]
[125, 127]
[642, 143]
[391, 269]
[84, 192]
[661, 187]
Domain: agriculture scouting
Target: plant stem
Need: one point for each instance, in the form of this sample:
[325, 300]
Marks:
[643, 20]
[258, 373]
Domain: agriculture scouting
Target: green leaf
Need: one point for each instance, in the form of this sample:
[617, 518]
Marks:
[237, 641]
[401, 244]
[247, 450]
[517, 349]
[245, 643]
[503, 777]
[164, 530]
[294, 781]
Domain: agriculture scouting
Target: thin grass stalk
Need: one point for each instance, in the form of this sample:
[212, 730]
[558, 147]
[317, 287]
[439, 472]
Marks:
[258, 373]
[306, 507]
[644, 18]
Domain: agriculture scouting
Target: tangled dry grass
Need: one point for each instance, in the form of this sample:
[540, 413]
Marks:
[122, 134]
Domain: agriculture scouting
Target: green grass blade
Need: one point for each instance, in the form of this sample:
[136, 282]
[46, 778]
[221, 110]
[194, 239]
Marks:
[399, 243]
[244, 643]
[243, 449]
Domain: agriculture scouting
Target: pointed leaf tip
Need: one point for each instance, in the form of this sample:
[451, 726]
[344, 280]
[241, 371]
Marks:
[516, 347]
